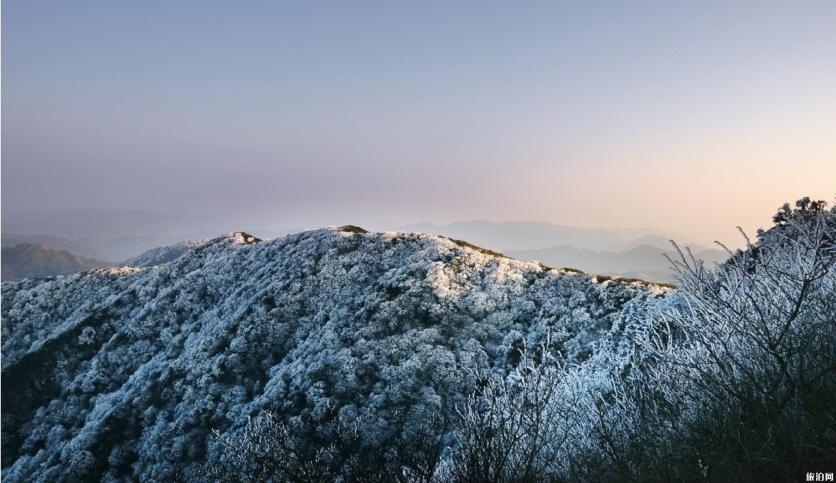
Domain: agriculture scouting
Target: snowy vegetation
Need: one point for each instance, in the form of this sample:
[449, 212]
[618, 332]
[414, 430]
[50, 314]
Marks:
[342, 355]
[165, 254]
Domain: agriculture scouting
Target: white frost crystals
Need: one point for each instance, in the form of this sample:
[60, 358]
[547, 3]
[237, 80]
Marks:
[123, 373]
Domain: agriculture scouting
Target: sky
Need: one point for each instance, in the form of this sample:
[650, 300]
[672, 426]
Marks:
[687, 117]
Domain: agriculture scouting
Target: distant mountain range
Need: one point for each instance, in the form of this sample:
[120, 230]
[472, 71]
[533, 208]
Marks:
[113, 237]
[83, 248]
[644, 261]
[634, 253]
[32, 260]
[526, 235]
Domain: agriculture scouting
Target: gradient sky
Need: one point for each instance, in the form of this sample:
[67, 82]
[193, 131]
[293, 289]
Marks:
[691, 117]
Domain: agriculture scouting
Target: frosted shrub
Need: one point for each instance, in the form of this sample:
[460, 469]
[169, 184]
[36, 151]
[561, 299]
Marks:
[514, 428]
[743, 380]
[265, 451]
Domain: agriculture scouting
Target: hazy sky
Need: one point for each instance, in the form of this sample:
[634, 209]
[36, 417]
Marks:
[684, 116]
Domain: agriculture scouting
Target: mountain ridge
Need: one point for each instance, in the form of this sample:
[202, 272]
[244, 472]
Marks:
[532, 235]
[27, 260]
[381, 326]
[642, 261]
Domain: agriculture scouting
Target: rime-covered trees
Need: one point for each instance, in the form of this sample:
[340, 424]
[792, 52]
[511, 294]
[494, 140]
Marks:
[353, 356]
[735, 379]
[135, 367]
[753, 350]
[512, 428]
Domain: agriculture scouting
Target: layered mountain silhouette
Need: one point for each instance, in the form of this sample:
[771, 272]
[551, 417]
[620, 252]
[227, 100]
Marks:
[526, 235]
[644, 261]
[31, 260]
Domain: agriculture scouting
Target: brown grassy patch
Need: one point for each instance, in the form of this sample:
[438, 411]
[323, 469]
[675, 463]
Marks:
[465, 244]
[353, 229]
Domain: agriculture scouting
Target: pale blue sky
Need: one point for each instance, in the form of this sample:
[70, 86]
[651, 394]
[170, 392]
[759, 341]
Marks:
[684, 116]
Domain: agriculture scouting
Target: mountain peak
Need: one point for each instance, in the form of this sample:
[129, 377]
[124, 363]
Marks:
[244, 238]
[295, 325]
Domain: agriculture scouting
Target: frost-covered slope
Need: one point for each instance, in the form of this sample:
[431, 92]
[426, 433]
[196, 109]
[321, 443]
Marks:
[165, 254]
[122, 373]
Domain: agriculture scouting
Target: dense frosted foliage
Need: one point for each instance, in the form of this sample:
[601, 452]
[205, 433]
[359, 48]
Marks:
[160, 255]
[123, 373]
